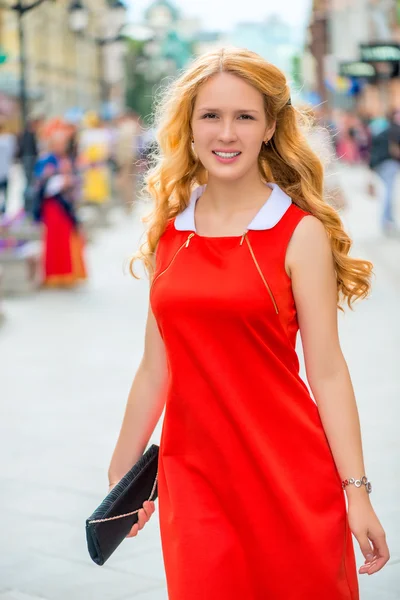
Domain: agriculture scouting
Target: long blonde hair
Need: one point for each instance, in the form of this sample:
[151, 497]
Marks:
[287, 160]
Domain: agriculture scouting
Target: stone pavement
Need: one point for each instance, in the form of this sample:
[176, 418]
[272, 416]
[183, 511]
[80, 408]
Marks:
[68, 358]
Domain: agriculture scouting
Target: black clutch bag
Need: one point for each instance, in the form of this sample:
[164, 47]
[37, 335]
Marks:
[111, 522]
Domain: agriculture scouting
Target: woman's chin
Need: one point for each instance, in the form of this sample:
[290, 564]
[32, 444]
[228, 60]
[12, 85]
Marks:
[226, 173]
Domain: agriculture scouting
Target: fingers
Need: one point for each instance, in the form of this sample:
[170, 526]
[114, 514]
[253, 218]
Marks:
[149, 508]
[365, 547]
[381, 551]
[144, 515]
[134, 531]
[376, 556]
[368, 552]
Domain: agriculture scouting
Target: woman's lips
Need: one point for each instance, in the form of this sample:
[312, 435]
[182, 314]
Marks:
[226, 159]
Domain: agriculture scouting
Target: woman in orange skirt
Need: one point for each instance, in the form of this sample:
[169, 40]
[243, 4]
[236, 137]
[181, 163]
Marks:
[57, 185]
[243, 252]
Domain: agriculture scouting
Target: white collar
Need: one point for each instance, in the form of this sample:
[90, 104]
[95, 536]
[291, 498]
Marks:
[267, 217]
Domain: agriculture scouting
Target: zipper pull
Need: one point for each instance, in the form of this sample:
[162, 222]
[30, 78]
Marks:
[243, 236]
[188, 240]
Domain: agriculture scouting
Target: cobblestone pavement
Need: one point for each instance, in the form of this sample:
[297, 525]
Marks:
[68, 358]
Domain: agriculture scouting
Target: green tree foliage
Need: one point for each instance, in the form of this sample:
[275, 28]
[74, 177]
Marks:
[296, 71]
[139, 91]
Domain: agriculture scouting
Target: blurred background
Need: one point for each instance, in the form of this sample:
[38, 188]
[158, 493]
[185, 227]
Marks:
[78, 81]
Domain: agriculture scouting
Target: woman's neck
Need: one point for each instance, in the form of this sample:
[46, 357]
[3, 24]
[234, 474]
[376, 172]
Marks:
[224, 198]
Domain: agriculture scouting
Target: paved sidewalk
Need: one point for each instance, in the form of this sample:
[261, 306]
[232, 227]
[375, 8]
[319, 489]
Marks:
[68, 358]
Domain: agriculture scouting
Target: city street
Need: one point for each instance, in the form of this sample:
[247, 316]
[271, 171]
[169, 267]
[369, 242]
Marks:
[67, 361]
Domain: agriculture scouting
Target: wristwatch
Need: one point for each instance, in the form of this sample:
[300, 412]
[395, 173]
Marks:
[358, 483]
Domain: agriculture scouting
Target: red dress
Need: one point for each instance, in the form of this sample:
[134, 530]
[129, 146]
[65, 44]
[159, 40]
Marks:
[63, 247]
[250, 501]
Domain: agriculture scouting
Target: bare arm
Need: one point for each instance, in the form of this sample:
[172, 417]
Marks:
[309, 262]
[145, 403]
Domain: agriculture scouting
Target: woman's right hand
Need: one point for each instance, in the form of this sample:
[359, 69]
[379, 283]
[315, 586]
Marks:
[143, 515]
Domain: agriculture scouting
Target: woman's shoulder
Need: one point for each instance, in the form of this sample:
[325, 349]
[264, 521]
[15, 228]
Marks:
[309, 234]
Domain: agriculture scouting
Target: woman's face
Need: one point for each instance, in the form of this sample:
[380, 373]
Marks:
[229, 126]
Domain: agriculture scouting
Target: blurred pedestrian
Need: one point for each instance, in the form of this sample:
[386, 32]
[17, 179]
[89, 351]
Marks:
[72, 145]
[385, 162]
[8, 147]
[28, 152]
[346, 144]
[126, 155]
[94, 152]
[243, 251]
[57, 190]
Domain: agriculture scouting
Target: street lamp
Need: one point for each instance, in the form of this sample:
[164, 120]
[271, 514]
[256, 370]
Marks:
[27, 159]
[21, 9]
[79, 20]
[118, 15]
[78, 16]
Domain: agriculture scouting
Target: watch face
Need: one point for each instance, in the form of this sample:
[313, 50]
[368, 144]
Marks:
[369, 487]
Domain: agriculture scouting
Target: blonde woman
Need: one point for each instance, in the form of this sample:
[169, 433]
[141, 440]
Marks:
[243, 251]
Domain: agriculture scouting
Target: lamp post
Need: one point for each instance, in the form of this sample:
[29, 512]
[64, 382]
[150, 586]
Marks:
[27, 155]
[21, 9]
[79, 20]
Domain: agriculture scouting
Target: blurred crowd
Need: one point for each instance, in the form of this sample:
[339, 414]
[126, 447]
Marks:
[373, 141]
[91, 163]
[69, 166]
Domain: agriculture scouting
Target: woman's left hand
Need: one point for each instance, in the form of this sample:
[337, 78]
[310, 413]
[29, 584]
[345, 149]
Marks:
[369, 533]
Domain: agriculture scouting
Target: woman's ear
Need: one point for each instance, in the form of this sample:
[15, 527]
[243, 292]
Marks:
[269, 132]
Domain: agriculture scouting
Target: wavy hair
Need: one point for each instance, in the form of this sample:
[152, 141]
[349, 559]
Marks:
[287, 160]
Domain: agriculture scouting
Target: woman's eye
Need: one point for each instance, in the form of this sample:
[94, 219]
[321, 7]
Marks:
[213, 115]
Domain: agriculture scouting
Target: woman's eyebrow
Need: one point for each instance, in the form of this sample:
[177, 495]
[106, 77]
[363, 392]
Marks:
[240, 110]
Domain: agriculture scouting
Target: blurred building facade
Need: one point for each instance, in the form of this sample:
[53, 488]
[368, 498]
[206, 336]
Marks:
[272, 38]
[65, 71]
[352, 56]
[170, 48]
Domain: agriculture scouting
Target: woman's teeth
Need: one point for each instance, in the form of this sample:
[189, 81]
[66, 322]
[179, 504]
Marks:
[227, 154]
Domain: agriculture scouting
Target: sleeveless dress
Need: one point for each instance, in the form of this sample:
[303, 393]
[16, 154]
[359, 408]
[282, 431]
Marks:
[251, 505]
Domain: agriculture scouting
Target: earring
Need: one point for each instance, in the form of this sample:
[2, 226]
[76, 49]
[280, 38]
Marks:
[194, 151]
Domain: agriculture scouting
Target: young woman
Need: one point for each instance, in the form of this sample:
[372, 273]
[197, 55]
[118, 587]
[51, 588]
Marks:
[251, 470]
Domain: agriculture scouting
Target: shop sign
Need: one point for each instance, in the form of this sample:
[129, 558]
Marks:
[380, 52]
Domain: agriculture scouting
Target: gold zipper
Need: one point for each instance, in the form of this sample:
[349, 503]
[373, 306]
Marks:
[185, 244]
[244, 237]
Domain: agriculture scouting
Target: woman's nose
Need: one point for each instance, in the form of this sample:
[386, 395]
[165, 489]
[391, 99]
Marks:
[227, 132]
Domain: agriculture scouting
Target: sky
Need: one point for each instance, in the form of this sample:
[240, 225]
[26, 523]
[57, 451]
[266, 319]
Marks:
[221, 15]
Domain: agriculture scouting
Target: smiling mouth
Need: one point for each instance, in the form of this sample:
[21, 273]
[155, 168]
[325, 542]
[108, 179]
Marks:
[226, 154]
